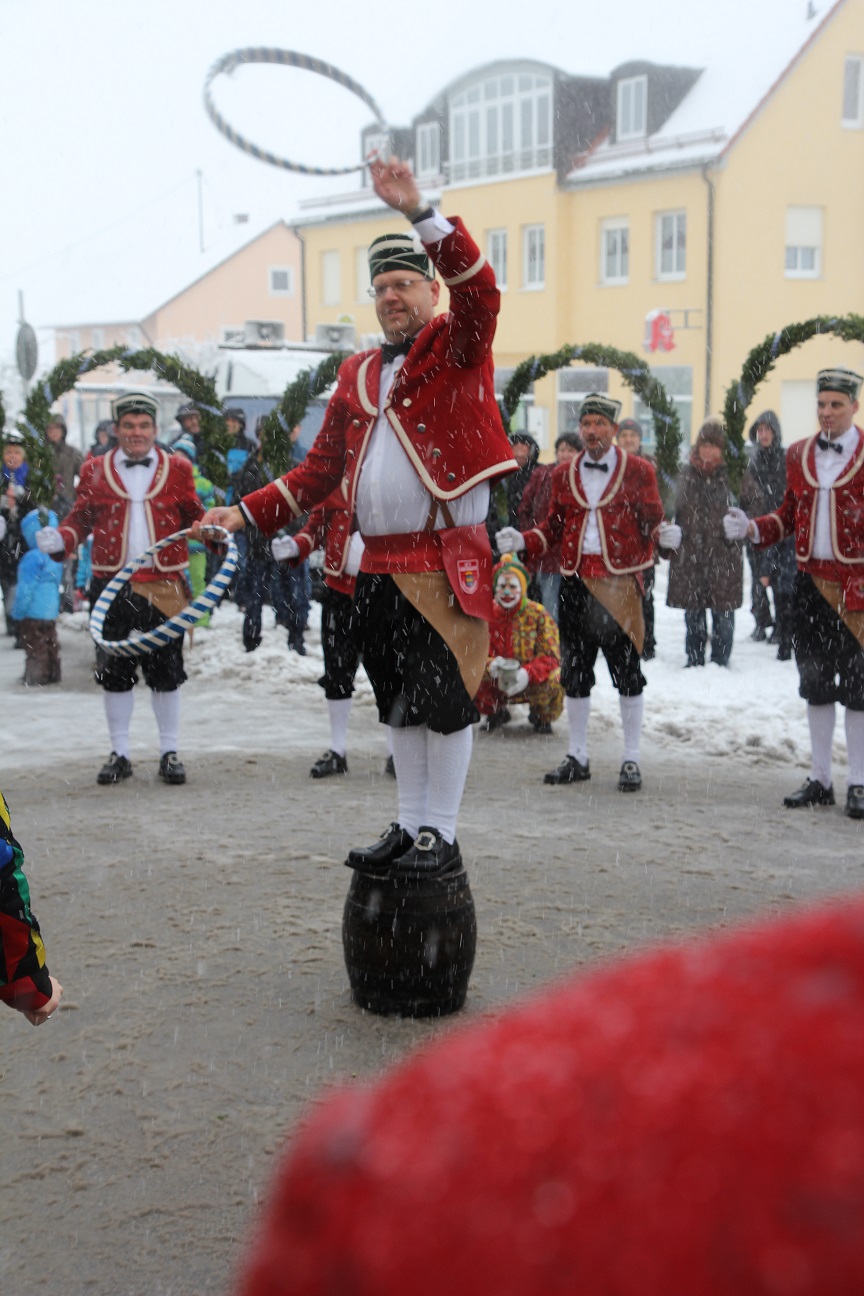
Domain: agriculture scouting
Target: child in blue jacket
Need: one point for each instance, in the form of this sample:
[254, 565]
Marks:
[37, 603]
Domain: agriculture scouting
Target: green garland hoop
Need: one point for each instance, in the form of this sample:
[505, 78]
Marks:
[759, 364]
[2, 414]
[63, 377]
[275, 429]
[636, 374]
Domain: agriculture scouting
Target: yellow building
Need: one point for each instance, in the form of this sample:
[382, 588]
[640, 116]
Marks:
[698, 209]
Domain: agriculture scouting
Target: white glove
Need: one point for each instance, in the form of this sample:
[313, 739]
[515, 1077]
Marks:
[355, 554]
[509, 540]
[49, 540]
[519, 684]
[2, 528]
[283, 547]
[669, 535]
[495, 666]
[736, 524]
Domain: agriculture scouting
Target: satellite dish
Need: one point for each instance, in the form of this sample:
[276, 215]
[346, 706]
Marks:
[26, 352]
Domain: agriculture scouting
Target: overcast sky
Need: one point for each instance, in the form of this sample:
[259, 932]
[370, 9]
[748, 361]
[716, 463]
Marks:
[103, 127]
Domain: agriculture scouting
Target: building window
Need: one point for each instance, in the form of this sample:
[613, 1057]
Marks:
[331, 279]
[573, 386]
[429, 149]
[632, 116]
[97, 338]
[671, 245]
[533, 256]
[519, 421]
[803, 242]
[678, 381]
[281, 281]
[75, 342]
[500, 125]
[853, 92]
[362, 281]
[133, 337]
[496, 255]
[614, 252]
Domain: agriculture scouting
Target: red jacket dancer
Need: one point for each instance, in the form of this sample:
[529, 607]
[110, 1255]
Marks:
[823, 508]
[128, 499]
[413, 447]
[607, 514]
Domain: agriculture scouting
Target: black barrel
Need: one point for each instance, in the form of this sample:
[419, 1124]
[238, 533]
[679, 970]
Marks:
[409, 944]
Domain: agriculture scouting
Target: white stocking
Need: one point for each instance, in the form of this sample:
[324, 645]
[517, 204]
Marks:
[166, 708]
[578, 712]
[409, 757]
[632, 709]
[118, 713]
[339, 710]
[855, 746]
[821, 722]
[449, 756]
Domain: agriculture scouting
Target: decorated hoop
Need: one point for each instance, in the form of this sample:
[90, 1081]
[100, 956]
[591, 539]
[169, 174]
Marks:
[147, 641]
[285, 58]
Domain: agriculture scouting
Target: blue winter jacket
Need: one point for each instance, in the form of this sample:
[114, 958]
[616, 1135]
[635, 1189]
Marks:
[38, 592]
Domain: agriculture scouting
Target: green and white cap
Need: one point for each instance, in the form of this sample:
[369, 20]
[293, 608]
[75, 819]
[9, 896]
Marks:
[840, 380]
[398, 252]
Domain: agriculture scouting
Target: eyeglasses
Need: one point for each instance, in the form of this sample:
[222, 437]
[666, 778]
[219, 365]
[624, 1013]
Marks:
[399, 286]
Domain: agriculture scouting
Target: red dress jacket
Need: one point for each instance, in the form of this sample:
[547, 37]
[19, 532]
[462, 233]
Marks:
[102, 507]
[797, 514]
[441, 407]
[329, 525]
[628, 514]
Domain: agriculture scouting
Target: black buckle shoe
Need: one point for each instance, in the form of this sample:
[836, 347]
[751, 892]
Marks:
[171, 770]
[811, 793]
[855, 802]
[377, 858]
[115, 768]
[430, 856]
[569, 771]
[630, 778]
[330, 763]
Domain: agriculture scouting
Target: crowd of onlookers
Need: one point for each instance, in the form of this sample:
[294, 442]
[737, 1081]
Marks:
[705, 578]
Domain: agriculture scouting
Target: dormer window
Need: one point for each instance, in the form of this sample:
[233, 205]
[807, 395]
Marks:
[500, 125]
[632, 115]
[429, 149]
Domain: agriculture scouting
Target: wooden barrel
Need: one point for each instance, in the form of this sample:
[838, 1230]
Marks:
[409, 944]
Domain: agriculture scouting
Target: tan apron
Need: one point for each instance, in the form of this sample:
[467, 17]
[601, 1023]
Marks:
[466, 637]
[167, 596]
[832, 592]
[622, 599]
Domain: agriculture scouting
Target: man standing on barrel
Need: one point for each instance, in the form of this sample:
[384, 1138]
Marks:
[413, 438]
[823, 508]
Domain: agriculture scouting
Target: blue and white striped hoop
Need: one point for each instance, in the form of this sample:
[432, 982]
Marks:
[147, 641]
[285, 58]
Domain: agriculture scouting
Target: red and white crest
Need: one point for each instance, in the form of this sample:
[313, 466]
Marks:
[468, 571]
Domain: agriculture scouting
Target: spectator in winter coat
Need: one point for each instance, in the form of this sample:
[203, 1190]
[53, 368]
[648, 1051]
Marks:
[104, 439]
[67, 465]
[15, 501]
[774, 568]
[37, 603]
[25, 982]
[521, 631]
[706, 573]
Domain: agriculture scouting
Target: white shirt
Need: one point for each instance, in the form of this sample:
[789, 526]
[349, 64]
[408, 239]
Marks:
[594, 484]
[391, 499]
[137, 482]
[829, 466]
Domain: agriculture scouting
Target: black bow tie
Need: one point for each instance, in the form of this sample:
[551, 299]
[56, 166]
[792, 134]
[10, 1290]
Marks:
[390, 350]
[133, 463]
[824, 444]
[589, 463]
